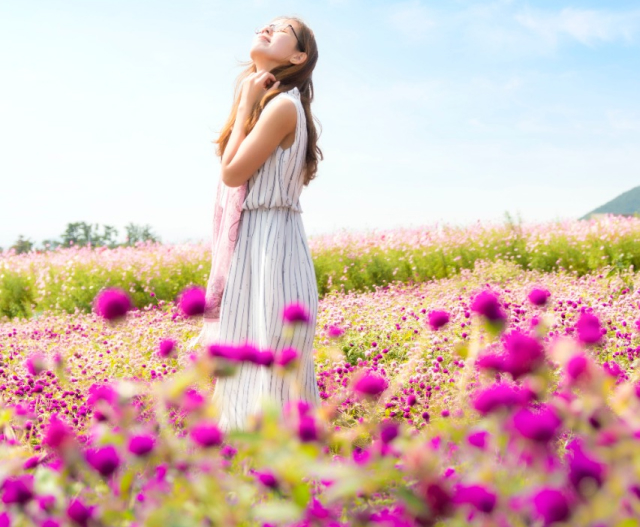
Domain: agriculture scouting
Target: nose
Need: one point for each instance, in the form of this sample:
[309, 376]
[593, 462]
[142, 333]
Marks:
[267, 27]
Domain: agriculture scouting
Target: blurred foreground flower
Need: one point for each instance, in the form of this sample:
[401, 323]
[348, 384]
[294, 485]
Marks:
[538, 296]
[295, 312]
[438, 319]
[192, 301]
[112, 304]
[370, 385]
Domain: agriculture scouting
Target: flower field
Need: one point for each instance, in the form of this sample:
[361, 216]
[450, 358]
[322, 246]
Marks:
[498, 394]
[68, 279]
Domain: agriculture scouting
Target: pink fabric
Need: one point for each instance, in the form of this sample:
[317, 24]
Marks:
[226, 217]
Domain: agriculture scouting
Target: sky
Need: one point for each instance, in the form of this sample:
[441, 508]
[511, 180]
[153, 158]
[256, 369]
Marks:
[431, 112]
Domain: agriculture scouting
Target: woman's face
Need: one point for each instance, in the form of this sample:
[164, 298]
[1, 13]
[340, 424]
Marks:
[276, 45]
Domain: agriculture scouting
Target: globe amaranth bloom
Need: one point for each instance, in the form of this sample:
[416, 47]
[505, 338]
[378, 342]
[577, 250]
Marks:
[538, 296]
[296, 313]
[104, 460]
[487, 305]
[552, 505]
[438, 319]
[588, 328]
[500, 396]
[583, 467]
[192, 301]
[206, 434]
[370, 385]
[478, 496]
[540, 426]
[112, 304]
[141, 445]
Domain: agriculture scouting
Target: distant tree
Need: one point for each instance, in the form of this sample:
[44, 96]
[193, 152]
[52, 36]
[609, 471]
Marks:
[22, 245]
[81, 234]
[139, 233]
[49, 245]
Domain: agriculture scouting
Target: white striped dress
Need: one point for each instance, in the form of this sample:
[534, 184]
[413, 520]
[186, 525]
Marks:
[271, 267]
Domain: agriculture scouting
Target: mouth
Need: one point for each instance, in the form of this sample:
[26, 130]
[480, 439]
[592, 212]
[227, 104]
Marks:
[263, 37]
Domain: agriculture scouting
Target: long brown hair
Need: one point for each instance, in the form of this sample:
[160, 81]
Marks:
[290, 76]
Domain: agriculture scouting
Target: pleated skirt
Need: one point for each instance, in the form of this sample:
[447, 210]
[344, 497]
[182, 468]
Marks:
[271, 268]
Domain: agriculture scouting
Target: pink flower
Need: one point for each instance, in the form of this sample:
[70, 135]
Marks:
[141, 445]
[104, 460]
[335, 332]
[389, 430]
[476, 495]
[58, 433]
[552, 505]
[265, 358]
[192, 301]
[286, 357]
[35, 364]
[79, 513]
[267, 479]
[524, 354]
[499, 396]
[296, 312]
[167, 347]
[540, 426]
[577, 367]
[112, 304]
[17, 490]
[538, 296]
[223, 351]
[438, 319]
[370, 385]
[583, 467]
[206, 434]
[486, 304]
[307, 429]
[588, 327]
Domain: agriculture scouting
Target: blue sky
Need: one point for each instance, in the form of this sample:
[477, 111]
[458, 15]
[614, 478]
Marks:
[431, 112]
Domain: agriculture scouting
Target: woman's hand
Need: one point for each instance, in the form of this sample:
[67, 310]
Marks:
[255, 86]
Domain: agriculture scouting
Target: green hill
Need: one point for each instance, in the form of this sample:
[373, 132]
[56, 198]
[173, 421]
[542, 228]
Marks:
[627, 204]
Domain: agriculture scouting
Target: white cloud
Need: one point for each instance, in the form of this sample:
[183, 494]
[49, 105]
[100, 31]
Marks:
[586, 26]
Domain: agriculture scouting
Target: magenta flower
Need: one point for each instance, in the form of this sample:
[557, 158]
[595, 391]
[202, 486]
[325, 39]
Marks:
[552, 505]
[540, 426]
[438, 319]
[370, 385]
[307, 429]
[583, 467]
[577, 367]
[192, 301]
[17, 490]
[265, 358]
[499, 396]
[35, 364]
[102, 392]
[79, 513]
[588, 327]
[286, 357]
[335, 332]
[389, 430]
[206, 434]
[49, 522]
[104, 460]
[486, 304]
[192, 400]
[539, 297]
[476, 495]
[247, 353]
[166, 348]
[141, 445]
[267, 479]
[524, 354]
[57, 434]
[112, 304]
[478, 439]
[223, 351]
[296, 313]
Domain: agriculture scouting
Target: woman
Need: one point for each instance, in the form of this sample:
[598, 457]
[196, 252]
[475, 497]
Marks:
[261, 260]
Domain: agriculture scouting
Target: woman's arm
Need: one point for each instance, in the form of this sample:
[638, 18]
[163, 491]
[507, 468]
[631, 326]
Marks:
[244, 154]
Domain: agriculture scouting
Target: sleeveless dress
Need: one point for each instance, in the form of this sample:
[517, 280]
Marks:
[270, 268]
